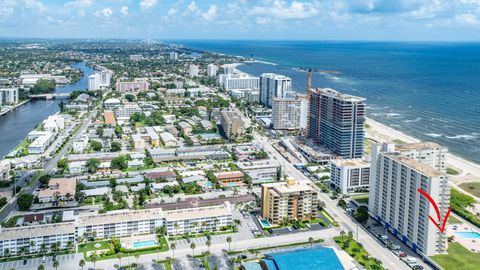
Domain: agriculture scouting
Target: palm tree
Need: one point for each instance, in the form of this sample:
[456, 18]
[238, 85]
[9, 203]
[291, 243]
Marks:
[310, 239]
[21, 251]
[208, 243]
[137, 256]
[94, 259]
[193, 246]
[41, 267]
[94, 234]
[195, 224]
[70, 245]
[81, 263]
[342, 234]
[119, 256]
[204, 224]
[173, 246]
[350, 235]
[175, 225]
[56, 264]
[6, 253]
[229, 240]
[43, 248]
[31, 246]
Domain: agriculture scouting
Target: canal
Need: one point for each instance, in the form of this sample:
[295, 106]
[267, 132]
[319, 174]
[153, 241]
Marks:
[15, 125]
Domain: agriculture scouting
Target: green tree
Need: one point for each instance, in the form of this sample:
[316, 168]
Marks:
[208, 244]
[119, 163]
[99, 131]
[41, 267]
[115, 147]
[92, 165]
[173, 246]
[56, 264]
[25, 201]
[118, 131]
[129, 97]
[43, 86]
[81, 263]
[361, 215]
[96, 145]
[311, 240]
[44, 179]
[193, 246]
[62, 164]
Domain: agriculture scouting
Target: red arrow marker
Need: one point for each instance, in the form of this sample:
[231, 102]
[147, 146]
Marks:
[434, 204]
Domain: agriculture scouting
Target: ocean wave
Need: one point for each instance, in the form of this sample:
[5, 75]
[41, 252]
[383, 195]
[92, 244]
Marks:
[434, 135]
[392, 114]
[413, 121]
[463, 136]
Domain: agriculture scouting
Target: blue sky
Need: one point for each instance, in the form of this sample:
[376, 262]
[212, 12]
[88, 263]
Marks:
[449, 20]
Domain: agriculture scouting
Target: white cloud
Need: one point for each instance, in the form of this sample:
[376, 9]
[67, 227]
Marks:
[79, 3]
[124, 10]
[192, 8]
[279, 9]
[81, 13]
[106, 12]
[172, 11]
[146, 4]
[467, 18]
[211, 13]
[36, 5]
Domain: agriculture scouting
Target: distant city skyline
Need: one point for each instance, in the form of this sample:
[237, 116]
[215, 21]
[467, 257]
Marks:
[403, 20]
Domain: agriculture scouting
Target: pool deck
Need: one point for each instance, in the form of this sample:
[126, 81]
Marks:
[127, 242]
[345, 259]
[472, 244]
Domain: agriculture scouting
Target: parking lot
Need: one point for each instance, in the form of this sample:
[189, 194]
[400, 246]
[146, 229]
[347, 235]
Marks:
[34, 263]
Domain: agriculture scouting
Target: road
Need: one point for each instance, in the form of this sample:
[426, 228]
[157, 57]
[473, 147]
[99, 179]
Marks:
[48, 168]
[374, 248]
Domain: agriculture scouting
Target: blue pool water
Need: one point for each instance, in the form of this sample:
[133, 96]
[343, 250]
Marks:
[265, 223]
[143, 244]
[207, 136]
[208, 184]
[468, 234]
[305, 259]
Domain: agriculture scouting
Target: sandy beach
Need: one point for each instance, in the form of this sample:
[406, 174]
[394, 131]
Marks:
[382, 133]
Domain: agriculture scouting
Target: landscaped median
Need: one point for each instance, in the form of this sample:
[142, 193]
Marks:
[111, 249]
[356, 250]
[315, 241]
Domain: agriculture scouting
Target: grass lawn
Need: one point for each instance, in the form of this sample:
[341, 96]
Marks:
[458, 257]
[85, 247]
[460, 203]
[329, 217]
[361, 199]
[453, 220]
[452, 171]
[472, 188]
[355, 250]
[398, 141]
[88, 201]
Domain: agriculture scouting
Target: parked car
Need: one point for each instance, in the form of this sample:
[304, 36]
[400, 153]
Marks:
[394, 247]
[25, 262]
[44, 259]
[417, 267]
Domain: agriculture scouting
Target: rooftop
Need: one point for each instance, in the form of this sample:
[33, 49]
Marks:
[36, 231]
[291, 186]
[199, 212]
[417, 146]
[413, 164]
[351, 163]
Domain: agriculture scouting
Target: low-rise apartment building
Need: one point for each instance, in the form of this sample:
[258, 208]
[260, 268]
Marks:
[233, 178]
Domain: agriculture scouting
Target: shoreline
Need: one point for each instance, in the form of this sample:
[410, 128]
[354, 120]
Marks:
[382, 133]
[14, 107]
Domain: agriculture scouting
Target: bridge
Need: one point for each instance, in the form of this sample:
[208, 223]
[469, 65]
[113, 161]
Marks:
[50, 96]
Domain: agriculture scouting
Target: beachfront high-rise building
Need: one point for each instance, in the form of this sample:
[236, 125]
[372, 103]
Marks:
[428, 153]
[192, 70]
[8, 96]
[291, 200]
[212, 70]
[394, 200]
[336, 122]
[232, 124]
[273, 85]
[289, 113]
[350, 175]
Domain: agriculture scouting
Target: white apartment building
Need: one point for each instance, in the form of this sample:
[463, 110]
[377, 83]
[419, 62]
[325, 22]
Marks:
[212, 70]
[112, 104]
[128, 109]
[173, 55]
[80, 144]
[135, 57]
[289, 113]
[428, 153]
[238, 81]
[117, 224]
[99, 79]
[394, 200]
[273, 85]
[8, 96]
[14, 240]
[260, 171]
[192, 70]
[4, 170]
[135, 86]
[40, 144]
[54, 123]
[350, 175]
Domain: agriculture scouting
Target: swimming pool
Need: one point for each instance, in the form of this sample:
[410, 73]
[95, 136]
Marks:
[143, 244]
[208, 184]
[264, 223]
[304, 259]
[468, 234]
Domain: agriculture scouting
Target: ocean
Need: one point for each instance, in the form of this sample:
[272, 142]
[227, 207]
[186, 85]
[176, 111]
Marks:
[430, 91]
